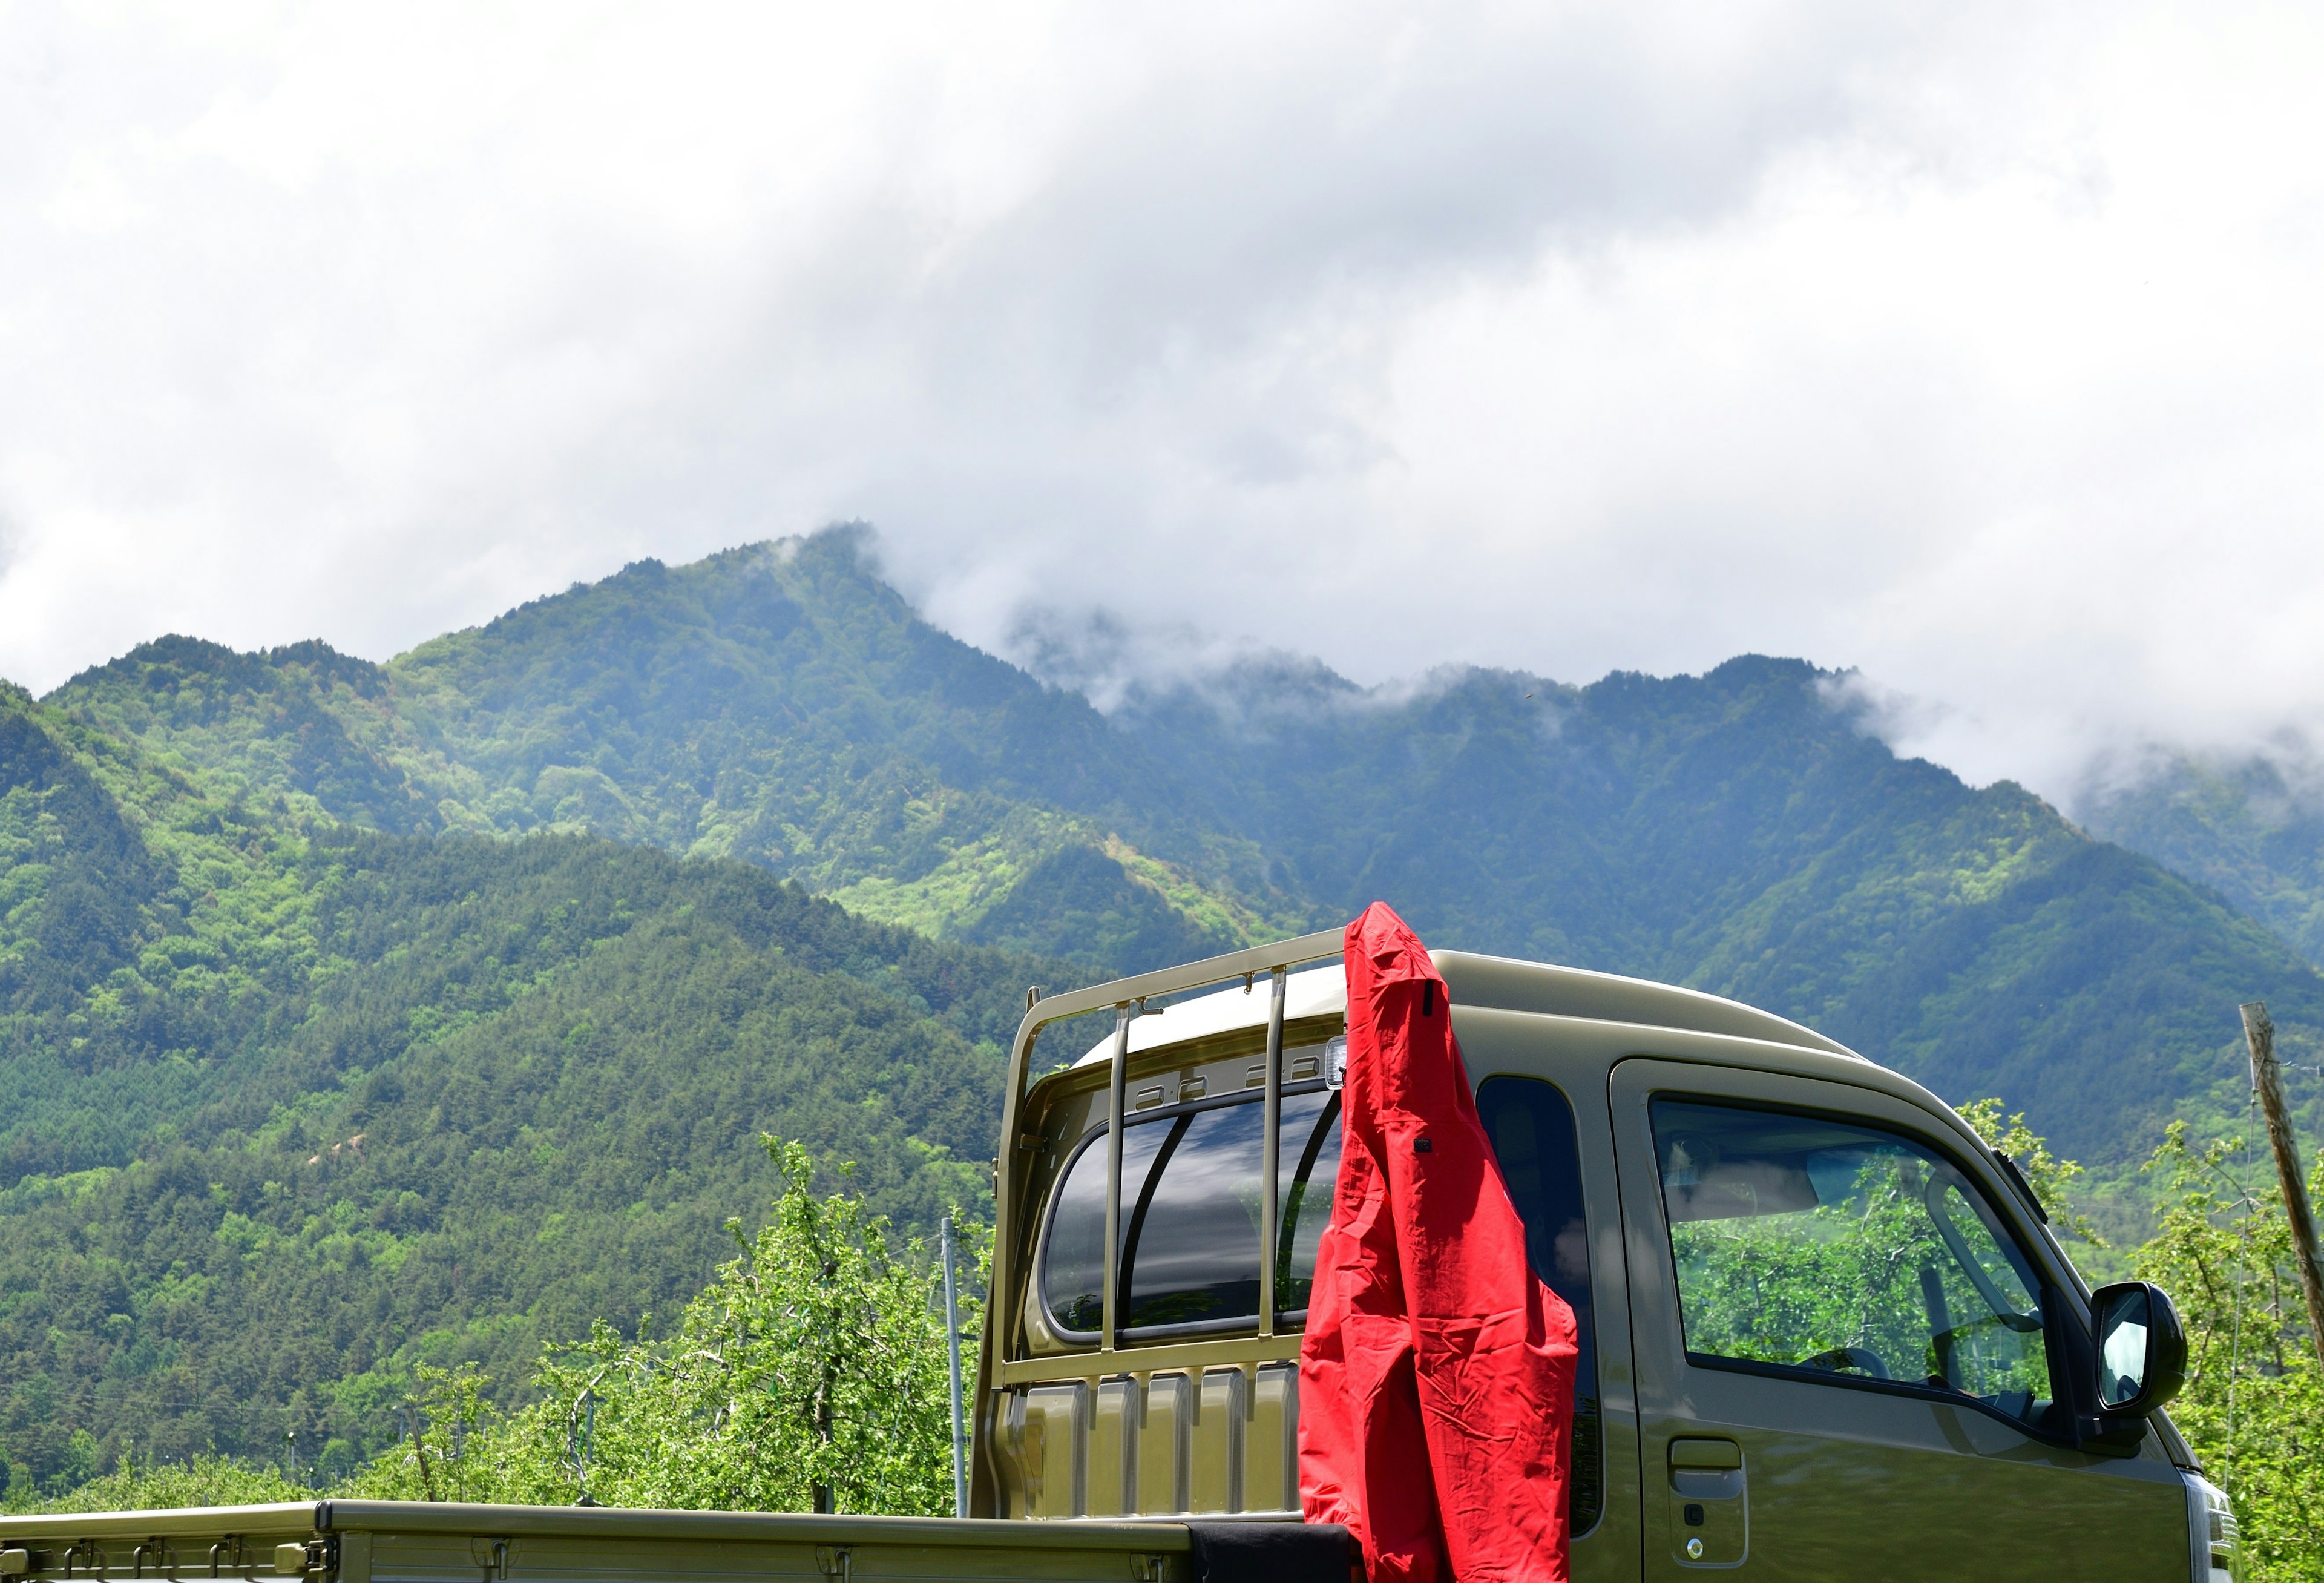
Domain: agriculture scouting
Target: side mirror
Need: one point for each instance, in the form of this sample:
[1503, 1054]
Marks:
[2142, 1347]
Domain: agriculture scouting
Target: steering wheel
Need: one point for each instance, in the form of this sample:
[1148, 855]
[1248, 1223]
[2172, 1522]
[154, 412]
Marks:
[1862, 1358]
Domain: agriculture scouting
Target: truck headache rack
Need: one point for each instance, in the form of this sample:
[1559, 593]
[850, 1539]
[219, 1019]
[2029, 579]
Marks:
[1003, 1369]
[1128, 998]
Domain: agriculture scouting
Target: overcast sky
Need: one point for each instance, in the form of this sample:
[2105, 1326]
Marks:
[1978, 347]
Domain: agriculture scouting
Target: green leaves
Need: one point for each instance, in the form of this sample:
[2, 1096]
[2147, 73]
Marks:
[2252, 1408]
[522, 1095]
[810, 1375]
[2050, 1178]
[207, 1480]
[2254, 1404]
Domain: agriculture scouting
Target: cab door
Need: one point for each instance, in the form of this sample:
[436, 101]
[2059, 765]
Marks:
[1838, 1327]
[1541, 1097]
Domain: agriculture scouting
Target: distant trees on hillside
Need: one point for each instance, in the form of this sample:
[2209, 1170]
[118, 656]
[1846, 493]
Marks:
[810, 1375]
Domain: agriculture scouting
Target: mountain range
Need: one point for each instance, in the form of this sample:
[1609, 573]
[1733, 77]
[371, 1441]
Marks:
[2250, 826]
[355, 1014]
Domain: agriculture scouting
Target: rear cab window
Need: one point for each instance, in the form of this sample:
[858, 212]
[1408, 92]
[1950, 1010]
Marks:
[1190, 1212]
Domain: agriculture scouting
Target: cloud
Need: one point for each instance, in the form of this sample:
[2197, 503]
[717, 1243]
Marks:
[1977, 350]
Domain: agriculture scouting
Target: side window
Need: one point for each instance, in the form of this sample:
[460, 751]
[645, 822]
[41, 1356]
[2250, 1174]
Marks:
[1839, 1250]
[1190, 1212]
[1532, 1129]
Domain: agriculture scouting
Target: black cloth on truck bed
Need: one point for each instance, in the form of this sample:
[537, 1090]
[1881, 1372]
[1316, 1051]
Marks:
[1272, 1552]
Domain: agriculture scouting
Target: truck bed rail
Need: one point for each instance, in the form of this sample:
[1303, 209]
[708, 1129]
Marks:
[413, 1542]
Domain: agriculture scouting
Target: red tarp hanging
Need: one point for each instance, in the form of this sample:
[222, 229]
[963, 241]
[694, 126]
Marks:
[1436, 1375]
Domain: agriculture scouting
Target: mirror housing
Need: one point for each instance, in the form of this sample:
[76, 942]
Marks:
[2141, 1348]
[2099, 1413]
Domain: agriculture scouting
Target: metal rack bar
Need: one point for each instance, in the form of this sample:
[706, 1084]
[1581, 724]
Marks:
[1115, 1089]
[1270, 1153]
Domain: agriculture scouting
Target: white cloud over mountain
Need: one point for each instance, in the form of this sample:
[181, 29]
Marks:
[1981, 351]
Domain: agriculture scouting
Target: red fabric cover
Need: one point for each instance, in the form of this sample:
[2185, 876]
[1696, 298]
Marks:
[1436, 1375]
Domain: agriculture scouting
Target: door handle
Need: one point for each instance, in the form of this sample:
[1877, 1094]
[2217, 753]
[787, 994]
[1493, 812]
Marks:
[1707, 1455]
[1709, 1505]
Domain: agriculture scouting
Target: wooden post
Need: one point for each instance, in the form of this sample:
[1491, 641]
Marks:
[2267, 1079]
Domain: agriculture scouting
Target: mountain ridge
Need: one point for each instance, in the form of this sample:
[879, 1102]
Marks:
[1742, 831]
[1734, 832]
[800, 717]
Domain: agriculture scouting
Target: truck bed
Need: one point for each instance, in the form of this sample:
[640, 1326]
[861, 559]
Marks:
[407, 1542]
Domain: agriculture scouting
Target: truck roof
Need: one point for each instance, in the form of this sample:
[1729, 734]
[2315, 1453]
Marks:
[1502, 983]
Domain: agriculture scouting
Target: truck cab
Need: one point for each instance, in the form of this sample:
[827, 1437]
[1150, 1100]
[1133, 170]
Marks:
[1825, 1331]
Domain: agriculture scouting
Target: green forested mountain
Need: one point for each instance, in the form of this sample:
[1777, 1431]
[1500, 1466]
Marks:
[1737, 832]
[2244, 827]
[310, 1067]
[509, 1089]
[777, 704]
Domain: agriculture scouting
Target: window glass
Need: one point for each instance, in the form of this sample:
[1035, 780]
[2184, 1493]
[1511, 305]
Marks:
[1840, 1250]
[1531, 1126]
[1307, 1169]
[1190, 1208]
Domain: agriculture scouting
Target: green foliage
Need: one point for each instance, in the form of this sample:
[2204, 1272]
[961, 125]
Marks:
[809, 1375]
[304, 733]
[2051, 1177]
[512, 1099]
[775, 703]
[1735, 831]
[206, 1479]
[441, 1456]
[2254, 1404]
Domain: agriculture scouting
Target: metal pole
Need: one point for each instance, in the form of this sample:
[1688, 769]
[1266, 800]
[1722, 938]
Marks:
[1270, 1153]
[1114, 1096]
[2267, 1079]
[952, 1347]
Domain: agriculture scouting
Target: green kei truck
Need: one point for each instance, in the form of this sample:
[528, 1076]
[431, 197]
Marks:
[1826, 1332]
